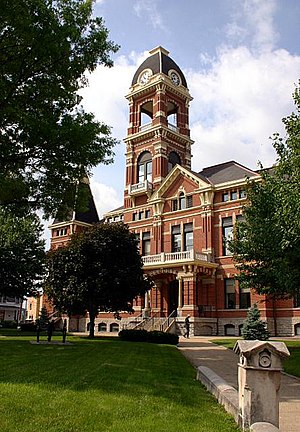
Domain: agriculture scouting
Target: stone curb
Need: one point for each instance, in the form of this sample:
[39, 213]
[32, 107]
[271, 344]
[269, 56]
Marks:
[263, 427]
[225, 394]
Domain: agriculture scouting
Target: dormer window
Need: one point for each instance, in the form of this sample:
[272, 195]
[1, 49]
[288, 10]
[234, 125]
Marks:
[182, 202]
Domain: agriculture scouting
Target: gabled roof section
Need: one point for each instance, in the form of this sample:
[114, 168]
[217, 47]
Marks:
[226, 172]
[84, 207]
[172, 176]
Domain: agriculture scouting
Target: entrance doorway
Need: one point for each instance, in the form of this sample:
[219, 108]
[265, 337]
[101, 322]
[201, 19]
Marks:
[173, 297]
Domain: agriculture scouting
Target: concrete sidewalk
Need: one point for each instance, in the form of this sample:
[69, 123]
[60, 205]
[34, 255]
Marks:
[201, 352]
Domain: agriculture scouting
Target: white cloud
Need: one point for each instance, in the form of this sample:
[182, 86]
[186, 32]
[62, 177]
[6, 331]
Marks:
[149, 8]
[106, 197]
[254, 19]
[239, 103]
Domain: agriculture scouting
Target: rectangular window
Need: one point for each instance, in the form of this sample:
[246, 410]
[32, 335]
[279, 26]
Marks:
[245, 302]
[174, 205]
[229, 294]
[189, 201]
[188, 237]
[146, 243]
[225, 197]
[138, 239]
[147, 214]
[233, 195]
[297, 299]
[242, 194]
[141, 215]
[227, 231]
[239, 218]
[176, 238]
[134, 217]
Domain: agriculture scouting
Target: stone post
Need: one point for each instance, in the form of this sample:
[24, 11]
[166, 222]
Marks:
[259, 375]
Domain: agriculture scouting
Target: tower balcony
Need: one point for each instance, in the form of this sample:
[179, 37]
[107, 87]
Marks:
[171, 259]
[140, 188]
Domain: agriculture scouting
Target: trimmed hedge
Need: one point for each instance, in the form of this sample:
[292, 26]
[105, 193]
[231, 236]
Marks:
[158, 337]
[9, 324]
[31, 327]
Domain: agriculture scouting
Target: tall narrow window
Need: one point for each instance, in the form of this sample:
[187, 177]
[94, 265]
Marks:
[145, 167]
[229, 294]
[176, 238]
[227, 231]
[182, 201]
[189, 201]
[245, 302]
[188, 237]
[146, 243]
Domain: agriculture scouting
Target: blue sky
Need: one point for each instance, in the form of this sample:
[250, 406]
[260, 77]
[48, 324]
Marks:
[241, 59]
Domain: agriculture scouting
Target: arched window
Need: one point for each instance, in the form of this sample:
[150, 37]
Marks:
[241, 330]
[102, 327]
[114, 327]
[297, 329]
[229, 330]
[173, 159]
[145, 167]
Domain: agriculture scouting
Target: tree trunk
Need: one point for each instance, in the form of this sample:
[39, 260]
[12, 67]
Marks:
[92, 323]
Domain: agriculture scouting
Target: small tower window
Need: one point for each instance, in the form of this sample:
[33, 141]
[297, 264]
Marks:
[172, 116]
[173, 160]
[145, 167]
[146, 115]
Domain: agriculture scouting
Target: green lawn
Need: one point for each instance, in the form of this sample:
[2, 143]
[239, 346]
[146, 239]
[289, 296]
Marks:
[102, 385]
[291, 365]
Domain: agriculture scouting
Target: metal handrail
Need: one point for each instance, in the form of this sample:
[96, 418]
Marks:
[168, 321]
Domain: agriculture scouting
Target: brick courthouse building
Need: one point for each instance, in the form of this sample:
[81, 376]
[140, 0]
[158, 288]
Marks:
[181, 218]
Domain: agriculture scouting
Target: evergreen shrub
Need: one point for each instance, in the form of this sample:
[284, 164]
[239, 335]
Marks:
[254, 328]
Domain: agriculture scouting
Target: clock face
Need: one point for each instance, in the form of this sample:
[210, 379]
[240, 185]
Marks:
[145, 77]
[175, 78]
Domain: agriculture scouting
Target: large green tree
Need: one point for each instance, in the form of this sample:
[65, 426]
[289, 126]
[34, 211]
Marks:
[266, 246]
[22, 255]
[48, 142]
[100, 268]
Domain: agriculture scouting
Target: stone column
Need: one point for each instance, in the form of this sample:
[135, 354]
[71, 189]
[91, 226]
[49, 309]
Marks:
[259, 375]
[179, 309]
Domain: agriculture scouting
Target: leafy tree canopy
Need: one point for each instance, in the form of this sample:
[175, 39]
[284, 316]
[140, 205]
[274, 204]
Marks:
[22, 255]
[48, 142]
[98, 268]
[266, 246]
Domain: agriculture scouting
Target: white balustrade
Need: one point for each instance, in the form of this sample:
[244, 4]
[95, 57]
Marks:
[168, 257]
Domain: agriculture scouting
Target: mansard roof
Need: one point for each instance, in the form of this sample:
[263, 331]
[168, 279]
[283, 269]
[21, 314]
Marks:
[159, 62]
[226, 172]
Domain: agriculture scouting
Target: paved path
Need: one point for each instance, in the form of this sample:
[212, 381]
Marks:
[201, 352]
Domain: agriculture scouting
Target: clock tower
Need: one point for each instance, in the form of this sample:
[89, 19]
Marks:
[158, 135]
